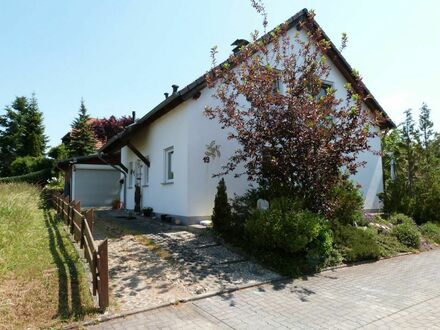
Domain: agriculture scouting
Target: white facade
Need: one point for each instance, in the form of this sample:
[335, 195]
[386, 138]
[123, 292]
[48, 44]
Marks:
[190, 194]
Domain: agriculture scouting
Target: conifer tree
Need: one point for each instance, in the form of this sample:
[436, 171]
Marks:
[82, 140]
[425, 125]
[33, 138]
[221, 215]
[21, 132]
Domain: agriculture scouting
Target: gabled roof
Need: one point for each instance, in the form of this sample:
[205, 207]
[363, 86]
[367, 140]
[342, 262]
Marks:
[119, 140]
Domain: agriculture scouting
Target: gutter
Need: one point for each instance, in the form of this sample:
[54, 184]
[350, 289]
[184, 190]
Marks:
[99, 154]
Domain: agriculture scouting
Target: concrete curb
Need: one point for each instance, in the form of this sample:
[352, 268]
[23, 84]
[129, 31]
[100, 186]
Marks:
[107, 318]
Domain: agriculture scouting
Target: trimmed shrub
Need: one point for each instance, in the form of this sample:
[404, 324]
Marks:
[400, 218]
[408, 234]
[389, 245]
[431, 231]
[348, 203]
[28, 164]
[357, 244]
[290, 230]
[39, 177]
[221, 214]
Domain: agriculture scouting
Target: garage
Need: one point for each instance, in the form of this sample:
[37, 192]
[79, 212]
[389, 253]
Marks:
[92, 180]
[95, 185]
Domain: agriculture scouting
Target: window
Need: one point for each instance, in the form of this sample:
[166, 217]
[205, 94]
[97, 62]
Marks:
[323, 90]
[276, 86]
[169, 166]
[145, 174]
[130, 175]
[138, 172]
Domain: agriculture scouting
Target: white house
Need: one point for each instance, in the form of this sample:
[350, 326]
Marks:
[164, 150]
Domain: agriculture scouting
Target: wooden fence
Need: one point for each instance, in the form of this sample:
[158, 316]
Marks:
[81, 227]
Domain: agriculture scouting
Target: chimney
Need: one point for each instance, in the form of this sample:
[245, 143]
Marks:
[175, 88]
[133, 115]
[238, 44]
[166, 95]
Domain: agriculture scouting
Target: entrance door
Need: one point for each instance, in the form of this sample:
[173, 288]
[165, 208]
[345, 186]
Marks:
[138, 183]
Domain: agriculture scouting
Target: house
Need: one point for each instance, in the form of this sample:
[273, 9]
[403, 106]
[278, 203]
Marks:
[93, 180]
[164, 151]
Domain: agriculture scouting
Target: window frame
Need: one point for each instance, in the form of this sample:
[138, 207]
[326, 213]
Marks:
[145, 174]
[130, 174]
[168, 165]
[328, 84]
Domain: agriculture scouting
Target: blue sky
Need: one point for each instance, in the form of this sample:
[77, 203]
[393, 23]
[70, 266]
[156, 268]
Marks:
[121, 56]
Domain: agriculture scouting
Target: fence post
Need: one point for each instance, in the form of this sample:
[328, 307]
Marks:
[103, 275]
[89, 218]
[70, 216]
[81, 244]
[55, 200]
[66, 210]
[62, 209]
[94, 272]
[73, 206]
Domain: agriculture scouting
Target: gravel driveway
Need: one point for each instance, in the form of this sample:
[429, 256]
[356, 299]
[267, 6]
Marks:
[151, 263]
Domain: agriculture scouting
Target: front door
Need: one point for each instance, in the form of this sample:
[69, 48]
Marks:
[138, 183]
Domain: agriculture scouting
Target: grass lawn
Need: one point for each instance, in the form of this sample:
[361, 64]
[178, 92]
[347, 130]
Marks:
[42, 282]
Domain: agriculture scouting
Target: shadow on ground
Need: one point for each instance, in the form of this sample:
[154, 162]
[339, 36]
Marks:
[70, 304]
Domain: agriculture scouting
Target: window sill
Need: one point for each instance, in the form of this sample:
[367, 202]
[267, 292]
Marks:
[145, 185]
[167, 182]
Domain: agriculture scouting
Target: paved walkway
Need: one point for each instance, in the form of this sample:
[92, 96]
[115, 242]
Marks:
[398, 293]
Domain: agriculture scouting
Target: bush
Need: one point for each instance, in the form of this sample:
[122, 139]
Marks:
[221, 215]
[28, 164]
[39, 177]
[399, 218]
[431, 231]
[357, 244]
[54, 186]
[290, 230]
[408, 234]
[389, 245]
[348, 203]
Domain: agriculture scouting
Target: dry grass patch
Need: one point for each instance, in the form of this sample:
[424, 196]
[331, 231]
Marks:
[156, 248]
[42, 282]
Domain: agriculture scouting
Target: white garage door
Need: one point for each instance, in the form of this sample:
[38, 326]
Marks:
[95, 185]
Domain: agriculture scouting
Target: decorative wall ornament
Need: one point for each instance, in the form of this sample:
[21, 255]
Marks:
[212, 151]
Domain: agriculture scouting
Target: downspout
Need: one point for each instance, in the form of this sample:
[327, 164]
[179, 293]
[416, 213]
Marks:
[123, 172]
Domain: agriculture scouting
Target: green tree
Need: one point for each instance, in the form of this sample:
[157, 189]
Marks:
[221, 215]
[425, 125]
[21, 132]
[82, 140]
[33, 140]
[414, 154]
[410, 138]
[58, 152]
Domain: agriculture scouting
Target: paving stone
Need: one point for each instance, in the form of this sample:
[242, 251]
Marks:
[398, 293]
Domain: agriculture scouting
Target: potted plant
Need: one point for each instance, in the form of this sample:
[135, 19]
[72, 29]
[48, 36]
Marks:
[116, 204]
[147, 211]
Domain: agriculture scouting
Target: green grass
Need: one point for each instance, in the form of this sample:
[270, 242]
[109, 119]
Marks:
[42, 282]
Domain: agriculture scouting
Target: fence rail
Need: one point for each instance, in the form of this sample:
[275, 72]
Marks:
[81, 228]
